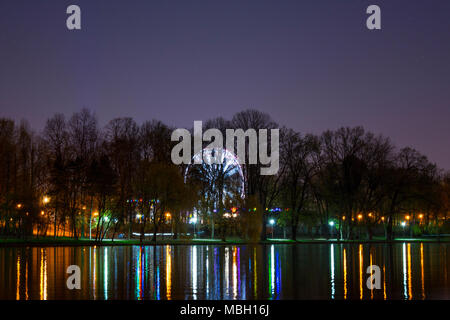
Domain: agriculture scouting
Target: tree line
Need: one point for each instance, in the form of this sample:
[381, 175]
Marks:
[77, 179]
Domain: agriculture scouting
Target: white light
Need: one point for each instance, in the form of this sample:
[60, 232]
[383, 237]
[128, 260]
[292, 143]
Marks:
[151, 234]
[193, 220]
[331, 223]
[403, 223]
[272, 222]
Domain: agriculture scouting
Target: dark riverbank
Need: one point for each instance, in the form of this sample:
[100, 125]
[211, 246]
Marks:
[43, 242]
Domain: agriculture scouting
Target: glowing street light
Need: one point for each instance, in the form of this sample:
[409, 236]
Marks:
[407, 217]
[421, 216]
[194, 222]
[403, 223]
[360, 216]
[272, 222]
[331, 223]
[46, 200]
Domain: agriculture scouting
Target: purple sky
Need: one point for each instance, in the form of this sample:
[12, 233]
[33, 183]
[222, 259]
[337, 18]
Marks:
[312, 64]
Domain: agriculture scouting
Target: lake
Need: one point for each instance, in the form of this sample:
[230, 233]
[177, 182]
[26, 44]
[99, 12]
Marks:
[301, 271]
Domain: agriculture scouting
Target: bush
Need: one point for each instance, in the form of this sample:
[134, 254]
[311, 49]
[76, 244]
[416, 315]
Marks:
[445, 227]
[251, 220]
[416, 230]
[432, 229]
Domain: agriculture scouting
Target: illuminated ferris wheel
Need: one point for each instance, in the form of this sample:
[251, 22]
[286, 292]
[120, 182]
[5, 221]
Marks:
[220, 170]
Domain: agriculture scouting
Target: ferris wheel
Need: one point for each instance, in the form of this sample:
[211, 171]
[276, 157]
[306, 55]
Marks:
[220, 170]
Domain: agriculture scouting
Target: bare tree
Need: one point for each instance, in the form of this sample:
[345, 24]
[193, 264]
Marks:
[297, 151]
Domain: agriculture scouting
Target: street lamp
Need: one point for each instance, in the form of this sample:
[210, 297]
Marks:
[403, 224]
[272, 222]
[420, 218]
[168, 216]
[90, 224]
[194, 222]
[331, 224]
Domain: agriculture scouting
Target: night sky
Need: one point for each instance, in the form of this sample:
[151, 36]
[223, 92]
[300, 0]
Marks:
[312, 65]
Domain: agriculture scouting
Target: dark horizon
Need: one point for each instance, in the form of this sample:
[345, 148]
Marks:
[311, 66]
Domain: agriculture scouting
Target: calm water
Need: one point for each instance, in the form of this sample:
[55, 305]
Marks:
[309, 271]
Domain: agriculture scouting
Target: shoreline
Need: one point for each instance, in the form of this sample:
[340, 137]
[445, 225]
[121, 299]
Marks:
[42, 242]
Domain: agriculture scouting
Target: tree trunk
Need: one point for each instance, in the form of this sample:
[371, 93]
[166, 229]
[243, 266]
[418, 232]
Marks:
[389, 229]
[294, 232]
[264, 228]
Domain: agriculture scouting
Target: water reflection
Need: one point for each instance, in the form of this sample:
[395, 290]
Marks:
[43, 275]
[194, 271]
[105, 275]
[139, 274]
[169, 272]
[407, 277]
[371, 272]
[94, 271]
[422, 272]
[345, 274]
[235, 271]
[332, 271]
[328, 271]
[18, 278]
[409, 272]
[361, 263]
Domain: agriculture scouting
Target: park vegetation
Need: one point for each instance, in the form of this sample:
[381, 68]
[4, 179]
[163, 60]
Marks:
[78, 180]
